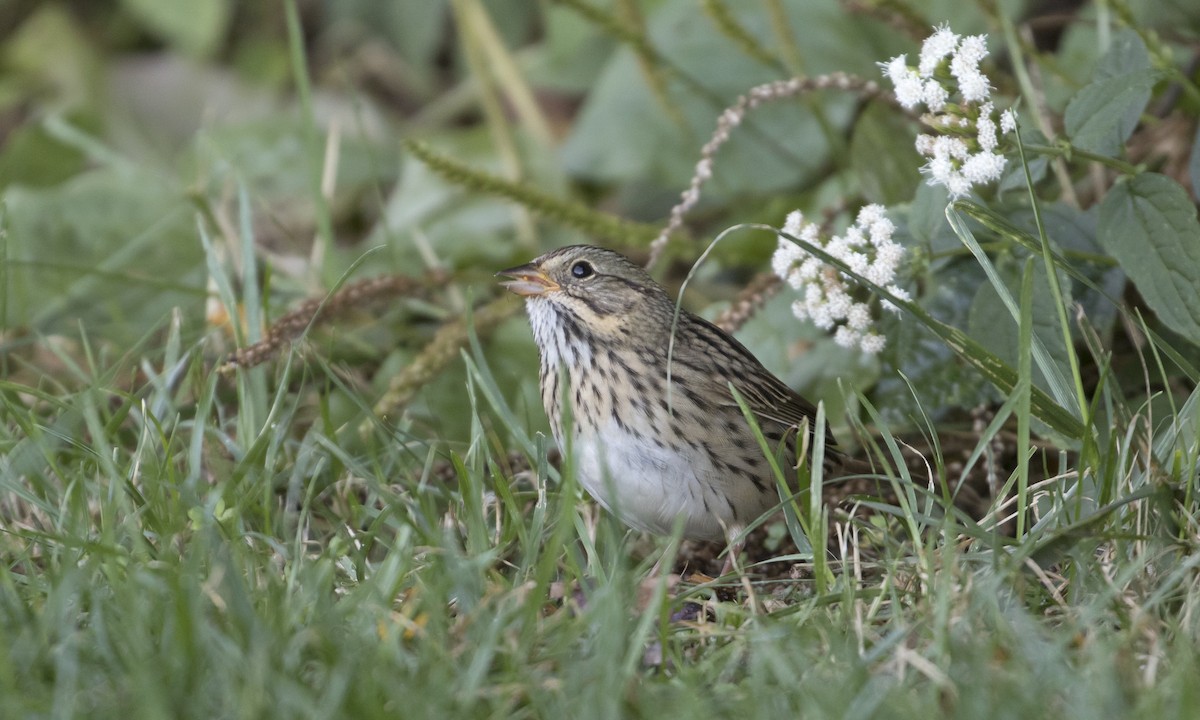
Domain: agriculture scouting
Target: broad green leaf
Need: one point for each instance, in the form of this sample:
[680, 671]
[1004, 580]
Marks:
[1126, 54]
[52, 52]
[1149, 225]
[1054, 378]
[927, 223]
[1071, 229]
[109, 249]
[995, 328]
[1102, 115]
[931, 377]
[626, 131]
[572, 55]
[885, 165]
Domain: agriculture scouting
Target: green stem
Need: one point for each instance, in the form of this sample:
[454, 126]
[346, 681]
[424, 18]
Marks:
[1068, 152]
[1060, 307]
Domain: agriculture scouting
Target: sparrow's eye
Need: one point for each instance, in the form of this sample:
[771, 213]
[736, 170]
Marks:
[582, 269]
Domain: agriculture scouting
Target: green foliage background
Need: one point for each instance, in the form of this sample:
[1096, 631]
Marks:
[343, 532]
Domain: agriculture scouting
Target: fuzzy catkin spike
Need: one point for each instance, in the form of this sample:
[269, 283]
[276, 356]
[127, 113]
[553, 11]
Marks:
[731, 118]
[316, 310]
[762, 288]
[572, 214]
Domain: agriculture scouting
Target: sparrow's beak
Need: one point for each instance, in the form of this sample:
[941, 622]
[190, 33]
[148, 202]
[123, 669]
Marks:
[527, 280]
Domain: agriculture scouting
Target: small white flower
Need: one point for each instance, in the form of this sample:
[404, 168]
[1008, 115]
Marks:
[879, 274]
[985, 129]
[1008, 121]
[831, 299]
[859, 317]
[958, 186]
[814, 296]
[934, 95]
[858, 262]
[971, 51]
[906, 80]
[940, 169]
[794, 223]
[983, 167]
[786, 255]
[974, 87]
[889, 253]
[881, 232]
[837, 247]
[899, 293]
[800, 310]
[872, 343]
[846, 337]
[854, 235]
[936, 47]
[962, 150]
[837, 301]
[820, 316]
[871, 214]
[956, 148]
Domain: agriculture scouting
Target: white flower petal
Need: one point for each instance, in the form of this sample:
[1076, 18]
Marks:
[1008, 121]
[934, 95]
[794, 224]
[872, 343]
[846, 337]
[936, 47]
[859, 317]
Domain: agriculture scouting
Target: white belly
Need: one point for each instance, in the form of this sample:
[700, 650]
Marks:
[650, 487]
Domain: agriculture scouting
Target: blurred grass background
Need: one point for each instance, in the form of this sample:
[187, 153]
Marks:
[278, 543]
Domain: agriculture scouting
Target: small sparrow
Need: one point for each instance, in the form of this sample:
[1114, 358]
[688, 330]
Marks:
[656, 433]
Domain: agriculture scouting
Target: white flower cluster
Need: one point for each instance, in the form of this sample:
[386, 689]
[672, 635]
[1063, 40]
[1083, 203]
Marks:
[830, 298]
[963, 154]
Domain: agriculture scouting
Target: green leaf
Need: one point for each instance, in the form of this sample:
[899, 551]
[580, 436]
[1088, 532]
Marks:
[1055, 380]
[1126, 54]
[1149, 225]
[193, 26]
[108, 249]
[626, 131]
[927, 222]
[1101, 116]
[996, 329]
[886, 169]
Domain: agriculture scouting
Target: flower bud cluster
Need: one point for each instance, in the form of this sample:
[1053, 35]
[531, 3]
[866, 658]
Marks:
[947, 81]
[831, 299]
